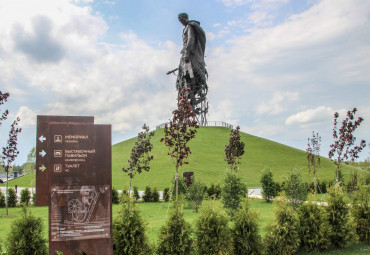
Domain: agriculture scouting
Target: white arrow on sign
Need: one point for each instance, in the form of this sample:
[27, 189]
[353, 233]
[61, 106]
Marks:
[42, 153]
[42, 138]
[42, 168]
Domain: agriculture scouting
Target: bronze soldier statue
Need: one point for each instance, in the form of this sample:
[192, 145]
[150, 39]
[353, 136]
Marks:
[192, 71]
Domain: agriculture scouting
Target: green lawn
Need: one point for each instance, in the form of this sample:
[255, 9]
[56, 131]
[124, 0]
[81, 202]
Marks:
[155, 215]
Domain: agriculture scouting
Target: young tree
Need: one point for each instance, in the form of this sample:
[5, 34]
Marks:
[313, 157]
[139, 157]
[233, 191]
[343, 149]
[234, 149]
[3, 99]
[295, 189]
[268, 185]
[10, 152]
[179, 131]
[196, 193]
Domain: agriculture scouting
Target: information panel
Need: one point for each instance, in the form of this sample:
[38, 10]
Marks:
[79, 212]
[80, 179]
[42, 138]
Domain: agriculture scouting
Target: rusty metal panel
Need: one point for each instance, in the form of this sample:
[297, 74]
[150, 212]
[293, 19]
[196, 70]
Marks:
[80, 181]
[42, 136]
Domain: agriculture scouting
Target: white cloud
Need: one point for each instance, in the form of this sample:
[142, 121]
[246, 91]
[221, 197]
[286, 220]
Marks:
[278, 103]
[27, 116]
[318, 114]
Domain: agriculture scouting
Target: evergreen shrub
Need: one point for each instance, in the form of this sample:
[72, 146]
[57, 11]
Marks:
[12, 198]
[34, 198]
[2, 200]
[166, 194]
[25, 196]
[214, 191]
[282, 236]
[361, 212]
[175, 235]
[314, 228]
[155, 195]
[136, 194]
[25, 236]
[129, 231]
[147, 197]
[196, 194]
[115, 197]
[339, 219]
[246, 239]
[212, 231]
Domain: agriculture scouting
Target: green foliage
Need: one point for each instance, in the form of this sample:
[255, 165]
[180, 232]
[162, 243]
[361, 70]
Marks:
[155, 195]
[115, 197]
[196, 194]
[314, 227]
[12, 198]
[338, 213]
[233, 191]
[212, 231]
[234, 149]
[25, 236]
[166, 194]
[129, 231]
[352, 182]
[361, 212]
[123, 197]
[295, 189]
[25, 196]
[214, 191]
[34, 198]
[136, 193]
[175, 236]
[147, 197]
[182, 188]
[283, 235]
[246, 239]
[2, 199]
[268, 185]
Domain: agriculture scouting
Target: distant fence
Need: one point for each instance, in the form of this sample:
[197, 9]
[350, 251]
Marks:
[209, 124]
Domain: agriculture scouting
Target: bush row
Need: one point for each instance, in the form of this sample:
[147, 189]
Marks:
[25, 198]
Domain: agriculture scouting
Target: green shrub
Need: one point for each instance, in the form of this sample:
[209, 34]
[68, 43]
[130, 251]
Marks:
[25, 236]
[166, 194]
[282, 236]
[295, 189]
[338, 213]
[25, 196]
[314, 227]
[129, 230]
[115, 197]
[147, 197]
[246, 239]
[212, 231]
[196, 194]
[233, 191]
[183, 188]
[323, 187]
[361, 212]
[155, 195]
[268, 185]
[2, 200]
[175, 235]
[34, 198]
[136, 194]
[124, 195]
[214, 191]
[12, 198]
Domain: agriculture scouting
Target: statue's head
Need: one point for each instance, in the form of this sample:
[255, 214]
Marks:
[183, 18]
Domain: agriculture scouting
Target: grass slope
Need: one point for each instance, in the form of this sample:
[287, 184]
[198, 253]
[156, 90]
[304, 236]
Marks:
[207, 161]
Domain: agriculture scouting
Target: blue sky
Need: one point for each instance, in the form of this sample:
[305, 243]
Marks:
[278, 68]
